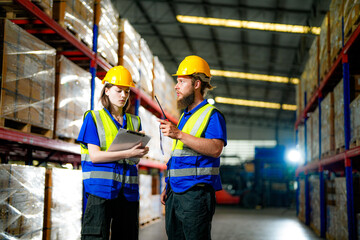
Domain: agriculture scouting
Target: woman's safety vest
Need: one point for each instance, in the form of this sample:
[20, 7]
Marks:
[105, 180]
[186, 167]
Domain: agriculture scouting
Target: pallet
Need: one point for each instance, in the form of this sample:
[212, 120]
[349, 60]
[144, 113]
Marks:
[355, 143]
[14, 11]
[340, 150]
[25, 127]
[327, 154]
[66, 139]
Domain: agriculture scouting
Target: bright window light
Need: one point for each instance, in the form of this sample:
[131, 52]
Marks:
[275, 27]
[253, 76]
[250, 103]
[293, 156]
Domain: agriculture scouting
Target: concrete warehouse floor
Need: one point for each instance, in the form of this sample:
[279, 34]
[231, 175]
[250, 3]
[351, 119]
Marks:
[234, 223]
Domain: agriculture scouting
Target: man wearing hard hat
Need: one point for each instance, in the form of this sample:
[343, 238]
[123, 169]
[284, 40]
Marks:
[193, 169]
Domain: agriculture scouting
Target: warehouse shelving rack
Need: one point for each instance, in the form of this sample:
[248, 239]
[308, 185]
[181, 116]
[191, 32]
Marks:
[344, 160]
[68, 152]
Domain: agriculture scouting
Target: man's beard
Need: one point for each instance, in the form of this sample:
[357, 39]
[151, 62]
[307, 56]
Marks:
[186, 101]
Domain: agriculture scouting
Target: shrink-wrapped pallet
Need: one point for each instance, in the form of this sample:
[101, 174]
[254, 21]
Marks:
[331, 222]
[108, 43]
[324, 46]
[339, 115]
[145, 198]
[314, 184]
[146, 68]
[327, 124]
[355, 121]
[301, 142]
[336, 12]
[351, 15]
[302, 200]
[66, 204]
[341, 206]
[28, 78]
[77, 16]
[150, 125]
[299, 97]
[98, 87]
[315, 135]
[131, 50]
[313, 69]
[21, 202]
[73, 98]
[309, 139]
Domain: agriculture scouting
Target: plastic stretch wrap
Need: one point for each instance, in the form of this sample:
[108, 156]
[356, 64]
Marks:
[146, 68]
[299, 98]
[98, 87]
[324, 47]
[336, 11]
[108, 44]
[309, 139]
[331, 222]
[315, 135]
[301, 142]
[314, 183]
[341, 206]
[171, 105]
[351, 16]
[302, 200]
[74, 98]
[28, 77]
[327, 124]
[339, 115]
[355, 119]
[312, 68]
[46, 5]
[76, 15]
[21, 202]
[150, 125]
[131, 48]
[145, 198]
[66, 204]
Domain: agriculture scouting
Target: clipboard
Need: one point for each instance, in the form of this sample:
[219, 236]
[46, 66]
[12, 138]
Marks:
[126, 139]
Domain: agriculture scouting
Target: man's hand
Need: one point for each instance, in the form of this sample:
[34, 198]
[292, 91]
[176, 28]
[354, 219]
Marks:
[169, 129]
[163, 197]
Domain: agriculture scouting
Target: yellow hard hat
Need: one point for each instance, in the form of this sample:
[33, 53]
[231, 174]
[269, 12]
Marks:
[193, 64]
[120, 76]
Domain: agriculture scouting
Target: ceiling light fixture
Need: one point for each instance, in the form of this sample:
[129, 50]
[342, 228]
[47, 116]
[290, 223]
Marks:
[251, 103]
[253, 76]
[274, 27]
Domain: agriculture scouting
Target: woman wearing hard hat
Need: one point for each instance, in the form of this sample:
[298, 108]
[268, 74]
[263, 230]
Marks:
[111, 190]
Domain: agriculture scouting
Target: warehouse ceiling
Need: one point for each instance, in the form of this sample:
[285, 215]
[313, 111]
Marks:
[233, 49]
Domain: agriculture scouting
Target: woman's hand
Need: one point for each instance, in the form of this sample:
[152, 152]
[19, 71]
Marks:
[138, 151]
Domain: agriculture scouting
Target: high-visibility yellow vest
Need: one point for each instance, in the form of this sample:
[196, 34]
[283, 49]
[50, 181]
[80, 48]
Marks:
[106, 179]
[187, 167]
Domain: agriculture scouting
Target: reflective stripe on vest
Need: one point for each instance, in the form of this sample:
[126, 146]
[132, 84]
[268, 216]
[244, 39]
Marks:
[110, 176]
[195, 126]
[106, 137]
[183, 172]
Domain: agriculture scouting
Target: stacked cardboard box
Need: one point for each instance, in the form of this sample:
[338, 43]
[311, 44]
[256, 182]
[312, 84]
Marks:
[315, 135]
[300, 96]
[146, 68]
[313, 69]
[324, 46]
[145, 198]
[351, 17]
[73, 98]
[28, 77]
[130, 44]
[66, 204]
[301, 141]
[302, 200]
[309, 139]
[327, 124]
[336, 12]
[341, 208]
[22, 202]
[339, 115]
[355, 120]
[77, 16]
[108, 43]
[314, 183]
